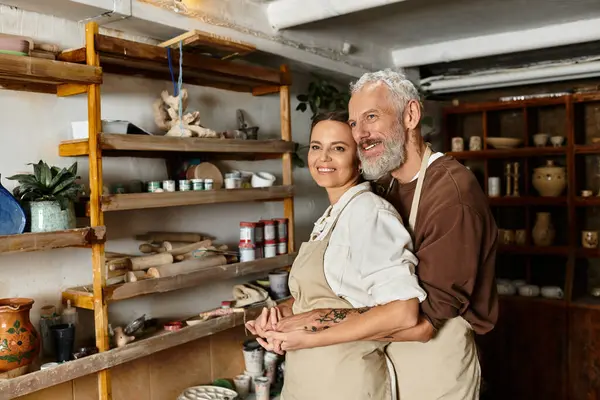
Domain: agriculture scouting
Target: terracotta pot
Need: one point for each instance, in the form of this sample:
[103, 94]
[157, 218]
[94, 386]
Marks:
[543, 231]
[19, 341]
[550, 180]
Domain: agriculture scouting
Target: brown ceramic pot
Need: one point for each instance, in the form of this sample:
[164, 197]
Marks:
[549, 180]
[19, 341]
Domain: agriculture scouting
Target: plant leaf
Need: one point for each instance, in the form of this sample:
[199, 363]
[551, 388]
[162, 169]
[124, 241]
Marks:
[46, 173]
[73, 168]
[58, 177]
[301, 107]
[21, 177]
[37, 170]
[302, 97]
[64, 185]
[318, 102]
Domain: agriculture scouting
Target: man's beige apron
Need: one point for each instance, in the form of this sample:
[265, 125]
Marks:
[446, 367]
[347, 371]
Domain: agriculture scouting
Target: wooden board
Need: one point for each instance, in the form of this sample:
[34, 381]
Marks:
[71, 370]
[52, 240]
[113, 143]
[208, 275]
[136, 201]
[81, 297]
[527, 200]
[205, 42]
[508, 153]
[42, 71]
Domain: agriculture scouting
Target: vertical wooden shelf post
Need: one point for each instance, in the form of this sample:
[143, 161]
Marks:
[286, 134]
[96, 215]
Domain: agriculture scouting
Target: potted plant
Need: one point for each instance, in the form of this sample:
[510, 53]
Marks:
[49, 194]
[322, 96]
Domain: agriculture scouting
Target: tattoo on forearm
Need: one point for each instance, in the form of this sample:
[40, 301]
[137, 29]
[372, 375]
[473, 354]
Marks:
[337, 315]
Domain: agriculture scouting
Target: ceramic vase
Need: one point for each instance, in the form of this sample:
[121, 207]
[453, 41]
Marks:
[543, 231]
[12, 216]
[19, 341]
[550, 180]
[48, 216]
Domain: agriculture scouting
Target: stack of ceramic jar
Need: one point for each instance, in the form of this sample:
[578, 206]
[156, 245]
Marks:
[263, 239]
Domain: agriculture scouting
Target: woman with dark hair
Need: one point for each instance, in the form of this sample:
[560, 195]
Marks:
[358, 260]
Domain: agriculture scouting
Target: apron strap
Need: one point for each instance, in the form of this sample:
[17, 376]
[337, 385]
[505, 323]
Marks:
[342, 210]
[417, 197]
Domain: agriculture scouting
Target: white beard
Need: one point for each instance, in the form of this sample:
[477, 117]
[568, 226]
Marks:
[393, 156]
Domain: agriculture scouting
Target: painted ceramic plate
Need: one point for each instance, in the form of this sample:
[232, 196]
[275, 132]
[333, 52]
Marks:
[12, 216]
[207, 393]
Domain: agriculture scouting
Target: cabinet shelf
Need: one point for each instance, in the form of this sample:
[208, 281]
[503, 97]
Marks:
[122, 145]
[534, 250]
[138, 201]
[164, 340]
[25, 242]
[42, 75]
[82, 296]
[528, 201]
[538, 299]
[593, 201]
[508, 153]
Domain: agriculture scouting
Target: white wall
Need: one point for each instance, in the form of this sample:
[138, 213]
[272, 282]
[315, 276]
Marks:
[34, 124]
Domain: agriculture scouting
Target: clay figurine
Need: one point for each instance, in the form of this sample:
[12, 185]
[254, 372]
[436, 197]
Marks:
[166, 117]
[121, 339]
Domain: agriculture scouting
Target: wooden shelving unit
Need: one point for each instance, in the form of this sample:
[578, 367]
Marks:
[80, 71]
[508, 153]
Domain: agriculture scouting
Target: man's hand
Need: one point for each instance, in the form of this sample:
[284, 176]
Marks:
[294, 340]
[308, 321]
[264, 323]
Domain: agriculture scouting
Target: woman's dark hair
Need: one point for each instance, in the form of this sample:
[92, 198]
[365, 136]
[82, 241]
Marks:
[339, 116]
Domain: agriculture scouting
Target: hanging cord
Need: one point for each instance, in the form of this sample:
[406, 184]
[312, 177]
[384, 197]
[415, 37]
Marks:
[180, 86]
[171, 70]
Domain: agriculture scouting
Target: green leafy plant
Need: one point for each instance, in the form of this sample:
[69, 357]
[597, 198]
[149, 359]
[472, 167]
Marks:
[322, 96]
[49, 184]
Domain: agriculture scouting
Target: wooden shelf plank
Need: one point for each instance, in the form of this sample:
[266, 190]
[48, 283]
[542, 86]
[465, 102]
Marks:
[126, 145]
[534, 250]
[467, 108]
[38, 74]
[39, 380]
[508, 153]
[527, 200]
[208, 275]
[593, 201]
[80, 297]
[51, 240]
[136, 201]
[588, 301]
[539, 299]
[587, 149]
[587, 253]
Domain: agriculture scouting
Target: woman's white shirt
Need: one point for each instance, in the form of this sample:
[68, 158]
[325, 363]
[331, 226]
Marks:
[368, 260]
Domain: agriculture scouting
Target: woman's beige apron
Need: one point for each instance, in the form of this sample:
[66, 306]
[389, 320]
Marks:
[446, 367]
[347, 371]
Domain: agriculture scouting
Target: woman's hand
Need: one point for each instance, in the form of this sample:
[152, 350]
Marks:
[266, 322]
[294, 340]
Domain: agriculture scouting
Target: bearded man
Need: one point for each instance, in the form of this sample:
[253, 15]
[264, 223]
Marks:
[455, 240]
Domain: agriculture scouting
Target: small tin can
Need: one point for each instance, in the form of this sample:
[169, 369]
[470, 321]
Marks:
[270, 249]
[247, 252]
[153, 185]
[259, 232]
[260, 250]
[184, 185]
[208, 184]
[248, 232]
[169, 185]
[269, 231]
[226, 304]
[282, 231]
[197, 184]
[282, 247]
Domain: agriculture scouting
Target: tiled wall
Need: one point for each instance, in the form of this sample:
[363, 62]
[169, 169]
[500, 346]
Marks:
[163, 375]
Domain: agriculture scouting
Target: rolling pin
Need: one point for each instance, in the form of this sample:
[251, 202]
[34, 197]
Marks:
[115, 273]
[160, 248]
[134, 276]
[145, 262]
[186, 266]
[168, 247]
[171, 237]
[119, 264]
[115, 280]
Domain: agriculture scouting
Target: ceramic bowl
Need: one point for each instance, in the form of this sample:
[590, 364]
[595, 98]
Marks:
[540, 139]
[529, 290]
[557, 141]
[208, 393]
[263, 179]
[503, 143]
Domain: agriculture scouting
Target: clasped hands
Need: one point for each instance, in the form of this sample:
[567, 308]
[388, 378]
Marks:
[278, 330]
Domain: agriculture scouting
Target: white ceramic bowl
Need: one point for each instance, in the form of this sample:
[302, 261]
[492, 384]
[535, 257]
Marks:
[540, 139]
[503, 143]
[262, 179]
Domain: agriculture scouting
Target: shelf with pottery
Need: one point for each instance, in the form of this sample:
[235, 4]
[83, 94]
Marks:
[527, 201]
[82, 296]
[35, 381]
[537, 299]
[128, 145]
[533, 250]
[137, 201]
[126, 57]
[41, 241]
[21, 72]
[508, 153]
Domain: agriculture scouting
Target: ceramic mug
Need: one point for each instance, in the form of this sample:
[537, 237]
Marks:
[595, 292]
[494, 186]
[540, 139]
[552, 292]
[520, 237]
[475, 143]
[589, 239]
[242, 385]
[507, 236]
[458, 144]
[557, 141]
[529, 290]
[586, 193]
[506, 288]
[519, 282]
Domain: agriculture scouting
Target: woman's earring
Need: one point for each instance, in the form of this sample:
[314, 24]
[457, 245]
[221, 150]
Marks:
[360, 171]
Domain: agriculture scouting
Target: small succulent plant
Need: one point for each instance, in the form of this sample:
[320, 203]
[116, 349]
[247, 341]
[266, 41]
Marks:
[48, 184]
